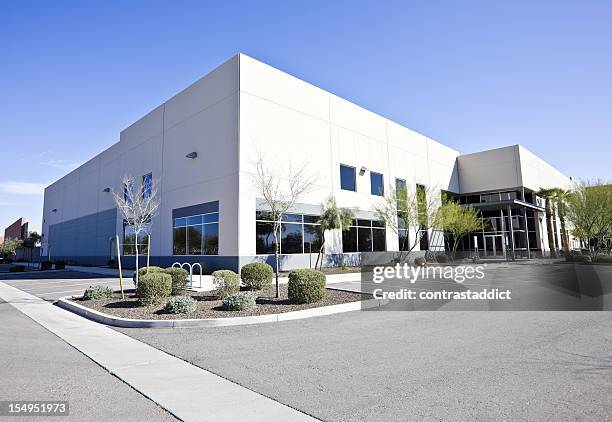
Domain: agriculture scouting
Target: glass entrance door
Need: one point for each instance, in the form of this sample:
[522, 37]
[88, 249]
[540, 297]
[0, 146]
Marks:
[494, 246]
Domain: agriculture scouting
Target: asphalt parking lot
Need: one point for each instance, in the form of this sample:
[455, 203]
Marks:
[51, 285]
[421, 365]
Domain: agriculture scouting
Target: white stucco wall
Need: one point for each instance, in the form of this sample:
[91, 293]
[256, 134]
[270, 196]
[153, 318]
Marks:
[292, 122]
[202, 118]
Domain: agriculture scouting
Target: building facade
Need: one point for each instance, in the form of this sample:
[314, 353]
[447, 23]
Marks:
[201, 147]
[18, 230]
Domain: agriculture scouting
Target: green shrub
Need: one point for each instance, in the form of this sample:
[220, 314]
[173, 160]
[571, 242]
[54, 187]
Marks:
[180, 279]
[442, 258]
[226, 282]
[581, 258]
[60, 264]
[181, 305]
[606, 259]
[306, 286]
[257, 276]
[46, 265]
[98, 292]
[143, 270]
[17, 269]
[241, 301]
[153, 287]
[419, 262]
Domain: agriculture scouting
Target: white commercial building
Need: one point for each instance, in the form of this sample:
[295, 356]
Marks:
[245, 109]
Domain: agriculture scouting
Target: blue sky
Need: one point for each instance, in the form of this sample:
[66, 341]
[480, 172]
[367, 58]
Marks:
[470, 74]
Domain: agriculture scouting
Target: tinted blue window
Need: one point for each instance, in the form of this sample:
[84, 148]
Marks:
[211, 218]
[147, 185]
[192, 221]
[347, 178]
[293, 218]
[180, 222]
[376, 184]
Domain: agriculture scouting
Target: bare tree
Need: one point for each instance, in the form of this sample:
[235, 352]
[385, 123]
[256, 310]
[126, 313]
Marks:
[138, 205]
[280, 190]
[409, 215]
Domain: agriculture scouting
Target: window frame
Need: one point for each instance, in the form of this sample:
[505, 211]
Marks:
[184, 223]
[354, 169]
[260, 218]
[382, 184]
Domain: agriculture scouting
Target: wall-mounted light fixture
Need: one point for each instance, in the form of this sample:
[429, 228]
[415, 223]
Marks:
[54, 210]
[362, 170]
[106, 190]
[193, 155]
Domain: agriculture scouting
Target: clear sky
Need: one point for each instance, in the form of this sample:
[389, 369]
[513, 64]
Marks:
[470, 74]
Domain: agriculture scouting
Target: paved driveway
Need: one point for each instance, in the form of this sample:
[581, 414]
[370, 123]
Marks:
[51, 285]
[423, 365]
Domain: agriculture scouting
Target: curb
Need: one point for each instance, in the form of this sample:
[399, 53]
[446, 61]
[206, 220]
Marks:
[106, 319]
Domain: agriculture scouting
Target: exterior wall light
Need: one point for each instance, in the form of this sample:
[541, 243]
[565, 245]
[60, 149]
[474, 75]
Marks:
[54, 210]
[107, 190]
[193, 155]
[362, 170]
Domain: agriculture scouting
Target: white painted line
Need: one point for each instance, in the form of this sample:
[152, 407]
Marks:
[188, 392]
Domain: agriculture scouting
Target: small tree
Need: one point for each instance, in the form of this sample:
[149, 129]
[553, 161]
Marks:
[457, 221]
[138, 205]
[590, 211]
[9, 246]
[409, 216]
[332, 218]
[280, 190]
[31, 241]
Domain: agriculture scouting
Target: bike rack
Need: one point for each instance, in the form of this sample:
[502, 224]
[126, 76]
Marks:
[190, 266]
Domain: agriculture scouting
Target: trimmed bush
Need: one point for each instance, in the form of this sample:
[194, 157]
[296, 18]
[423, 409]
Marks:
[442, 258]
[98, 292]
[181, 305]
[581, 258]
[306, 286]
[420, 262]
[153, 287]
[46, 265]
[226, 282]
[180, 279]
[241, 301]
[143, 270]
[60, 264]
[17, 269]
[606, 259]
[257, 276]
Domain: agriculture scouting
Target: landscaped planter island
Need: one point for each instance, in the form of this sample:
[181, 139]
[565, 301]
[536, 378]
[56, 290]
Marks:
[210, 306]
[161, 301]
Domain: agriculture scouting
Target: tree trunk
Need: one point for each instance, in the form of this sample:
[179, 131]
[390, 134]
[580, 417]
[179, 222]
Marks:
[276, 260]
[564, 234]
[319, 255]
[136, 244]
[549, 229]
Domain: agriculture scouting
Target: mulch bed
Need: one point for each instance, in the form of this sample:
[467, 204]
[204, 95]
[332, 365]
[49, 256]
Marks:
[210, 307]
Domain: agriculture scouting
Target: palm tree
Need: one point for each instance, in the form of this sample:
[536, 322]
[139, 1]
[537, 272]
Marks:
[561, 196]
[548, 195]
[332, 218]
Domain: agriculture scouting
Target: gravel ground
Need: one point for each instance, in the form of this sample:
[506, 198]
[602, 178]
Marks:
[210, 306]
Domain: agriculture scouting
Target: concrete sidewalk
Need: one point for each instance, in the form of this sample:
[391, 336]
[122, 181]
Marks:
[186, 391]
